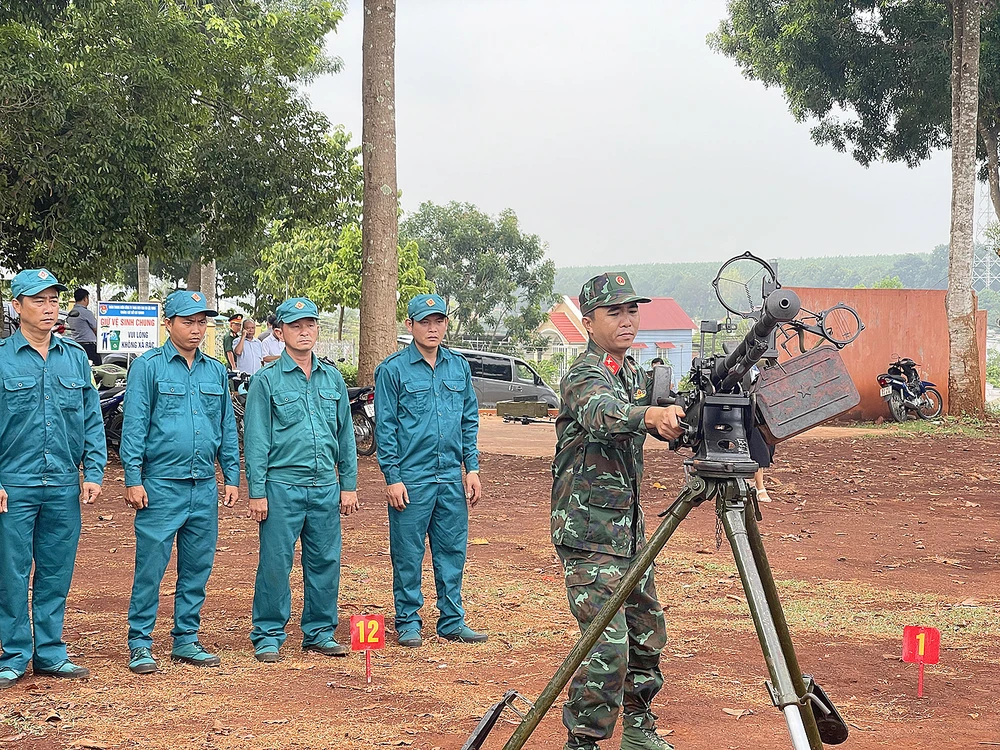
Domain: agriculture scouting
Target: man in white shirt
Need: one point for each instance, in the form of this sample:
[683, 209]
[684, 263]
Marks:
[248, 350]
[272, 346]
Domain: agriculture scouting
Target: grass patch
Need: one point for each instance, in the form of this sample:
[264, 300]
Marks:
[847, 608]
[970, 427]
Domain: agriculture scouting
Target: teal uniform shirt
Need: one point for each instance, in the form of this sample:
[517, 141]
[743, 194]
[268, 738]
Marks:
[299, 431]
[426, 418]
[50, 416]
[178, 420]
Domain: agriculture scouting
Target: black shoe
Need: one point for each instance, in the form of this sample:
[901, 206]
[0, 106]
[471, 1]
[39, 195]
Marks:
[8, 678]
[465, 634]
[328, 648]
[266, 655]
[194, 653]
[410, 639]
[66, 669]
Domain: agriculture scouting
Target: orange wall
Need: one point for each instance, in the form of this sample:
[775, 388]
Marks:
[908, 322]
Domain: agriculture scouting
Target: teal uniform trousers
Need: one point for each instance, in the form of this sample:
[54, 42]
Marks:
[186, 510]
[439, 512]
[41, 523]
[311, 514]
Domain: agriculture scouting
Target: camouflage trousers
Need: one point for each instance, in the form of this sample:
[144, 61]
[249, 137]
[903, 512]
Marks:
[622, 673]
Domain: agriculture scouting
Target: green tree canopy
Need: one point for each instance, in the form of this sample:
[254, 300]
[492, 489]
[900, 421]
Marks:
[164, 128]
[492, 275]
[325, 265]
[874, 76]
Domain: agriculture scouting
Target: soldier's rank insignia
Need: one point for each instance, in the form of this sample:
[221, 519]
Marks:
[611, 364]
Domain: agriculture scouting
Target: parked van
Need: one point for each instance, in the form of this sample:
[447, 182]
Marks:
[500, 377]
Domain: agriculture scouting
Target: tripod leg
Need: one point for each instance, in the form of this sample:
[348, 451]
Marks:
[769, 621]
[693, 494]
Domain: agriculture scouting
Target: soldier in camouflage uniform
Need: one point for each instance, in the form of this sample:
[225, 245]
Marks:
[597, 522]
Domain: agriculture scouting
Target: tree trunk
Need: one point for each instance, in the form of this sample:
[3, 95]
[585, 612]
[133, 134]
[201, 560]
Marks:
[379, 230]
[208, 290]
[194, 275]
[965, 389]
[142, 262]
[208, 282]
[340, 325]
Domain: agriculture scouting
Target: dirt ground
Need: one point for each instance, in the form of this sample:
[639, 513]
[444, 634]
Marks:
[867, 533]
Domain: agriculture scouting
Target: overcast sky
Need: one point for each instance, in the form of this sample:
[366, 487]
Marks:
[616, 134]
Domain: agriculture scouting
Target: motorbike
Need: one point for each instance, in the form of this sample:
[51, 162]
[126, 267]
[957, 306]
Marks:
[113, 414]
[110, 379]
[108, 376]
[904, 391]
[363, 414]
[239, 382]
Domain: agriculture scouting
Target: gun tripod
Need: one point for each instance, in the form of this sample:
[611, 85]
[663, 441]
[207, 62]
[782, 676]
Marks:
[811, 717]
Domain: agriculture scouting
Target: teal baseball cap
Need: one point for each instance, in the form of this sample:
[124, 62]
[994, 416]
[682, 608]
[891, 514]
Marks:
[426, 304]
[294, 309]
[33, 280]
[184, 303]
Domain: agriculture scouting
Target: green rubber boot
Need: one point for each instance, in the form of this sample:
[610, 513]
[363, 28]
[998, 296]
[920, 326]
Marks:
[635, 738]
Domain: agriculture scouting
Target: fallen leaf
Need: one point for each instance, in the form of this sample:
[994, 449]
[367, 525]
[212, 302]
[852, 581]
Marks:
[276, 721]
[91, 744]
[479, 540]
[969, 603]
[739, 713]
[15, 738]
[53, 717]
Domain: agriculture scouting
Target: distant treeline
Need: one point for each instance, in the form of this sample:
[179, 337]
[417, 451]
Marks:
[690, 284]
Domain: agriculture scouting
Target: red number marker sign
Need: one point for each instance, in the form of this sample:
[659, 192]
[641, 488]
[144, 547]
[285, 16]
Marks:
[367, 634]
[923, 646]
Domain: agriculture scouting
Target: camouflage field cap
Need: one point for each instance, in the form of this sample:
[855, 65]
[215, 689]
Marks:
[606, 290]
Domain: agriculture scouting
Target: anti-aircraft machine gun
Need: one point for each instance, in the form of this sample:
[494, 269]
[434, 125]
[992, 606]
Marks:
[720, 410]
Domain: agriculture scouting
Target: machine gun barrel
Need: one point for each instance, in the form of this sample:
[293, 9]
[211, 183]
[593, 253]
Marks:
[781, 306]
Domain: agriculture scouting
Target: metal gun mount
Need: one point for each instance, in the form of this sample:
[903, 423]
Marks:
[719, 413]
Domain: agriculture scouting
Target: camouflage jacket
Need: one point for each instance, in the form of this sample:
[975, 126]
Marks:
[598, 463]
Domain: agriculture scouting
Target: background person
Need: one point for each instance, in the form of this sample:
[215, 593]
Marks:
[229, 340]
[302, 469]
[597, 520]
[50, 428]
[82, 325]
[426, 426]
[178, 423]
[272, 347]
[269, 331]
[248, 350]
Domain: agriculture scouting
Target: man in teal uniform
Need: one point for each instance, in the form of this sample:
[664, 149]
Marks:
[426, 424]
[302, 469]
[178, 422]
[50, 428]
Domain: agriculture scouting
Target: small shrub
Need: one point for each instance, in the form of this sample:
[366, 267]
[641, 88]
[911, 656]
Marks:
[350, 373]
